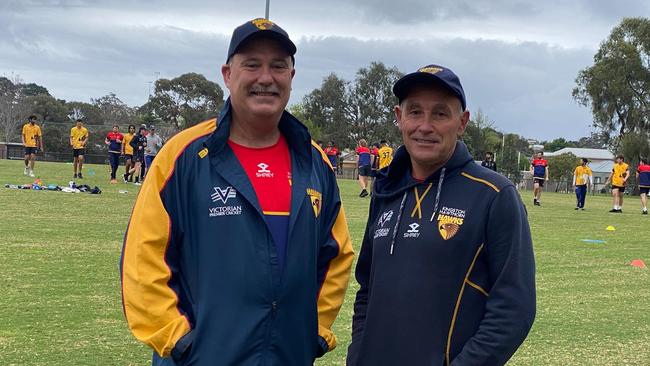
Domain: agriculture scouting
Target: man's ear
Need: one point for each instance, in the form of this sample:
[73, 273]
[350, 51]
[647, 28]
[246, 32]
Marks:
[225, 73]
[398, 116]
[464, 120]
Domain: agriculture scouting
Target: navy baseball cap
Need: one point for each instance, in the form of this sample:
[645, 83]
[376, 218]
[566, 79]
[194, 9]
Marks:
[259, 26]
[428, 75]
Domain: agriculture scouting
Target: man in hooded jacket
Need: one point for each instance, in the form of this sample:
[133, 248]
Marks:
[446, 268]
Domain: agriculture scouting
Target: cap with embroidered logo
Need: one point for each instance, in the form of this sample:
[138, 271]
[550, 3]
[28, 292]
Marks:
[430, 75]
[260, 26]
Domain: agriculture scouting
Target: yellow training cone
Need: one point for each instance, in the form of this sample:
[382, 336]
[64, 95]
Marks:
[610, 228]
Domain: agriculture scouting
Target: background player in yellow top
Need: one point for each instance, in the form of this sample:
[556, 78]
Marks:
[582, 180]
[385, 154]
[619, 176]
[32, 140]
[127, 151]
[78, 140]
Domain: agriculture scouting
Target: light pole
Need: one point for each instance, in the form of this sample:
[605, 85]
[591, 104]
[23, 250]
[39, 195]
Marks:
[268, 4]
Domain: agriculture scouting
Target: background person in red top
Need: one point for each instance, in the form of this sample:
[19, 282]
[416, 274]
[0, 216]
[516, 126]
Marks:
[643, 177]
[364, 162]
[539, 170]
[114, 142]
[332, 154]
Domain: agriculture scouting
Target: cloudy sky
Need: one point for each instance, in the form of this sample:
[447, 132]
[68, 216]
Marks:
[517, 59]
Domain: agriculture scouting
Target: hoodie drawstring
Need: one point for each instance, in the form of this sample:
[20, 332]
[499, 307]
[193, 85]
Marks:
[435, 206]
[399, 218]
[401, 209]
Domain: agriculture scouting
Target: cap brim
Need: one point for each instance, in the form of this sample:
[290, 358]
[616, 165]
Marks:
[418, 79]
[286, 43]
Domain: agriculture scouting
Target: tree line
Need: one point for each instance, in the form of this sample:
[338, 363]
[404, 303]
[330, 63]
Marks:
[175, 104]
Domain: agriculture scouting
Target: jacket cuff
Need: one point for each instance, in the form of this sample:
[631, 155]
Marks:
[182, 346]
[323, 347]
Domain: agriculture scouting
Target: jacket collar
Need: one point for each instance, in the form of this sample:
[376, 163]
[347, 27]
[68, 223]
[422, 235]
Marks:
[227, 165]
[292, 129]
[397, 176]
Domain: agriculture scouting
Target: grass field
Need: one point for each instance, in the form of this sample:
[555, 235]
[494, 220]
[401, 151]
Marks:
[60, 299]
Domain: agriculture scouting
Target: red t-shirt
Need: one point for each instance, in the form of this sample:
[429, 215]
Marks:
[269, 171]
[332, 155]
[364, 155]
[644, 175]
[331, 151]
[113, 144]
[539, 168]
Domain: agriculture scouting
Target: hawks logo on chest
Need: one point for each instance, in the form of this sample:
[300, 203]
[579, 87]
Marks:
[449, 221]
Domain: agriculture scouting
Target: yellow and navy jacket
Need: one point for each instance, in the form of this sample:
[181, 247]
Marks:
[200, 278]
[446, 268]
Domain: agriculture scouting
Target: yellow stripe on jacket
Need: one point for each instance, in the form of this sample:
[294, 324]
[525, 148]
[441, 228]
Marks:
[332, 292]
[322, 154]
[150, 305]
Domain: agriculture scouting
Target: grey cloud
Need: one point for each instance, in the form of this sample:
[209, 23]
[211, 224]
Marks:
[427, 10]
[615, 10]
[81, 64]
[524, 88]
[579, 11]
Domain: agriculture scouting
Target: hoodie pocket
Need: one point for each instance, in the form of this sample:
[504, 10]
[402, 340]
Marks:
[321, 347]
[183, 348]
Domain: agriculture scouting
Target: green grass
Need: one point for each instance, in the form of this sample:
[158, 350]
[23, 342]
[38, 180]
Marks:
[60, 300]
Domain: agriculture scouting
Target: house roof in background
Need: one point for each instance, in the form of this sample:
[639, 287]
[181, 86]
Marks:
[591, 154]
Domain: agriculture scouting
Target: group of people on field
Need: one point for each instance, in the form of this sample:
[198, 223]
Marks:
[139, 149]
[583, 181]
[247, 254]
[369, 161]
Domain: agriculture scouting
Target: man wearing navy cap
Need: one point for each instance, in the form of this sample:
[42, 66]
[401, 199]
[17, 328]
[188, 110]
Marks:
[241, 254]
[446, 269]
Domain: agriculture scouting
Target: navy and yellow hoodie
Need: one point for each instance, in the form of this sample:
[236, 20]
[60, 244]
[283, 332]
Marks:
[446, 269]
[201, 283]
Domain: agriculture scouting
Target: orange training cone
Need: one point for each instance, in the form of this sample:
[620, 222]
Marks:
[638, 263]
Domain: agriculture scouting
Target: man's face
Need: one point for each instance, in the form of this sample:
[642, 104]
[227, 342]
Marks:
[618, 160]
[431, 121]
[131, 129]
[259, 78]
[540, 155]
[115, 129]
[488, 157]
[79, 124]
[32, 121]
